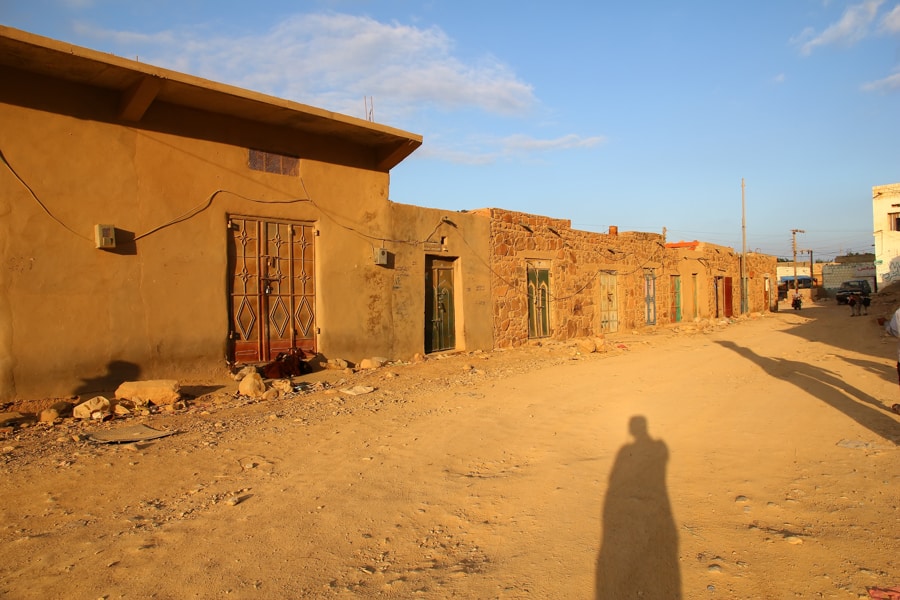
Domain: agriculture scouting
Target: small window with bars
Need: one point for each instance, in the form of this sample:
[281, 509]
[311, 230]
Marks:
[270, 162]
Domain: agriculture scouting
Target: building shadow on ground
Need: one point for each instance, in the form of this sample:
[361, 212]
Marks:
[886, 373]
[830, 389]
[639, 548]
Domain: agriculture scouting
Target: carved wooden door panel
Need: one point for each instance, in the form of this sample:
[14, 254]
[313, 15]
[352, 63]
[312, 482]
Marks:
[272, 288]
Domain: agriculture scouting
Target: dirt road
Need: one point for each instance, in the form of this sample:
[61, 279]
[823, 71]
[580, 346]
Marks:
[756, 459]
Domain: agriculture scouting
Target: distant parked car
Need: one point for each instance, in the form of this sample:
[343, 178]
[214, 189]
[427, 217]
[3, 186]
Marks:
[859, 287]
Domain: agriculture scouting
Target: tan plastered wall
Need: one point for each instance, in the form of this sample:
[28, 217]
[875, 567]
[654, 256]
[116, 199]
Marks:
[460, 237]
[710, 261]
[73, 317]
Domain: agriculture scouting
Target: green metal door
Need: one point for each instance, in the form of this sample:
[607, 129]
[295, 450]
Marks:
[675, 308]
[650, 295]
[440, 315]
[538, 302]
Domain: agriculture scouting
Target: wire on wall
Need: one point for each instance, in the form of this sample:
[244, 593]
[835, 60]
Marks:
[207, 203]
[38, 200]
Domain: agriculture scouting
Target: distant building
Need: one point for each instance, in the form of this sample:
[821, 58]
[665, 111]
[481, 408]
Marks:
[886, 229]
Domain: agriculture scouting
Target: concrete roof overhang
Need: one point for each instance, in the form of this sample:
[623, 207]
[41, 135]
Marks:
[140, 85]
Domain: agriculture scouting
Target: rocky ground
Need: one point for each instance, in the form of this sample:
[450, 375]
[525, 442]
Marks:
[747, 458]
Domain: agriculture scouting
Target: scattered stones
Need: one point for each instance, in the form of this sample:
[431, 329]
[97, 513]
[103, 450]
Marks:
[337, 363]
[158, 392]
[48, 415]
[375, 362]
[239, 376]
[587, 345]
[358, 390]
[252, 385]
[283, 385]
[97, 407]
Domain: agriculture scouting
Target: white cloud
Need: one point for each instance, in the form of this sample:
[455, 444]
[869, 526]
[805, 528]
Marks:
[852, 27]
[780, 78]
[891, 21]
[124, 38]
[523, 143]
[335, 60]
[887, 84]
[485, 151]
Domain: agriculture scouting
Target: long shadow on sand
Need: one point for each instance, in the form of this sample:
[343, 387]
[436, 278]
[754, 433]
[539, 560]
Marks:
[830, 389]
[639, 550]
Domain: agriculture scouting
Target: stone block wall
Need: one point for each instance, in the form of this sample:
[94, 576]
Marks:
[577, 259]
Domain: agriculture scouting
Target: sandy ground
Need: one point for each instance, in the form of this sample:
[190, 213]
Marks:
[756, 459]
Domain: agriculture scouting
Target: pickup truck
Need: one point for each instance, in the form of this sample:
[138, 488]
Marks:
[860, 287]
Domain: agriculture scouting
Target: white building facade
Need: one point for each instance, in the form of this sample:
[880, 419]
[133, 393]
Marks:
[886, 229]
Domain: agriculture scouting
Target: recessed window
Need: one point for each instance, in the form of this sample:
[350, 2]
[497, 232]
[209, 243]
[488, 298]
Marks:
[279, 164]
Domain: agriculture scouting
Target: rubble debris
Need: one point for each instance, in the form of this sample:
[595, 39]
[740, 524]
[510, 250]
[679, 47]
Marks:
[376, 362]
[98, 407]
[337, 363]
[283, 385]
[48, 415]
[239, 375]
[252, 385]
[158, 392]
[358, 390]
[132, 433]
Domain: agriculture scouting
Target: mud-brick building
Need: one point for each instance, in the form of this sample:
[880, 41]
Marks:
[551, 281]
[707, 283]
[154, 224]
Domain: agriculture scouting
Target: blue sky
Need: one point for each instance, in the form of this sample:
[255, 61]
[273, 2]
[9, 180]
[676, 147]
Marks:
[643, 115]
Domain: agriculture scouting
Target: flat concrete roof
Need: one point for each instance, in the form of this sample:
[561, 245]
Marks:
[141, 84]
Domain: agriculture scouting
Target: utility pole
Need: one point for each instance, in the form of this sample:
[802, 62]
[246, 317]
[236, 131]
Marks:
[794, 233]
[744, 298]
[811, 272]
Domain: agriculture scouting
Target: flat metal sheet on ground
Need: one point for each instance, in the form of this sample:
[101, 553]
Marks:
[133, 433]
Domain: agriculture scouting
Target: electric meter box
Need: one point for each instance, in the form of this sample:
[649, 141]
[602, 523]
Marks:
[381, 256]
[104, 236]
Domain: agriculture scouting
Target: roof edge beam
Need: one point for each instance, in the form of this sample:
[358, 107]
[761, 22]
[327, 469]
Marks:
[138, 98]
[395, 155]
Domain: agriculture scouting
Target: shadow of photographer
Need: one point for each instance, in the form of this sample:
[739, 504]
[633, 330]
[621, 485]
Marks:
[639, 548]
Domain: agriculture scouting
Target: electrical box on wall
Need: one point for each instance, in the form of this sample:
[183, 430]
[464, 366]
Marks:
[381, 256]
[104, 236]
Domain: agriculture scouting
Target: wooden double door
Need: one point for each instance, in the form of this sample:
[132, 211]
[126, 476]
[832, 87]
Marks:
[271, 287]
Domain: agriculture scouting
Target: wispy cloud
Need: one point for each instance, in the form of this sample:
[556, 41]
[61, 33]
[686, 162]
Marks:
[485, 151]
[524, 143]
[891, 21]
[780, 78]
[853, 26]
[888, 84]
[335, 60]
